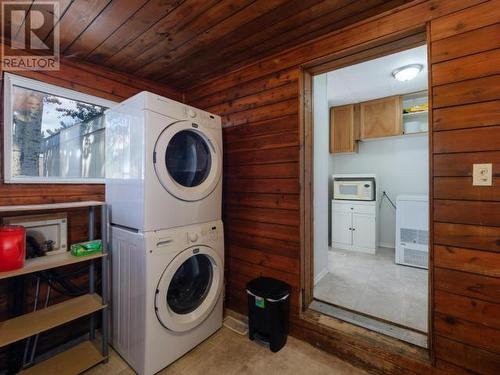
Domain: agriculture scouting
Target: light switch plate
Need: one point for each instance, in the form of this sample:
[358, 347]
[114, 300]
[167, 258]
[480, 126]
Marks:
[482, 174]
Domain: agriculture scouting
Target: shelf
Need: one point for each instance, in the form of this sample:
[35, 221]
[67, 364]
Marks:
[70, 362]
[51, 206]
[47, 262]
[415, 114]
[416, 95]
[30, 324]
[420, 132]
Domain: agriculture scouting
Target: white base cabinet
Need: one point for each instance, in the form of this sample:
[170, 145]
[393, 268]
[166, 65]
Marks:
[354, 225]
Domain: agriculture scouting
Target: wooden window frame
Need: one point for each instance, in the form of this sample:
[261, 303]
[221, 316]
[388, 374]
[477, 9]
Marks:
[371, 50]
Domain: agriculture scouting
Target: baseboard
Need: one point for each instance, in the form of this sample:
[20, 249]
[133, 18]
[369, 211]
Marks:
[387, 245]
[331, 256]
[320, 275]
[235, 314]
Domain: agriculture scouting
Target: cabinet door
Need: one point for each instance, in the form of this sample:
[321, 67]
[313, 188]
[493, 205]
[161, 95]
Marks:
[344, 128]
[381, 118]
[363, 233]
[341, 228]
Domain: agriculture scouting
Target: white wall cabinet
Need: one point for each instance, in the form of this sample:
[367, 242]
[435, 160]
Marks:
[354, 225]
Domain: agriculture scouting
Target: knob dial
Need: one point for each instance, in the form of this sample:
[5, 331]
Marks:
[193, 237]
[191, 113]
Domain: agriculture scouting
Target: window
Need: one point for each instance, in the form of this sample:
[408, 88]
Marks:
[52, 134]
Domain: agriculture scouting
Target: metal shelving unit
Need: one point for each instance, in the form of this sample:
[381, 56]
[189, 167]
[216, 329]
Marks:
[84, 355]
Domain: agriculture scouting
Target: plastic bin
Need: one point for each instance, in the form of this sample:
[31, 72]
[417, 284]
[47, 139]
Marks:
[268, 311]
[12, 247]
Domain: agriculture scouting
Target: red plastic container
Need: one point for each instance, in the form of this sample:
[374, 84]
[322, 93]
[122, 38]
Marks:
[12, 247]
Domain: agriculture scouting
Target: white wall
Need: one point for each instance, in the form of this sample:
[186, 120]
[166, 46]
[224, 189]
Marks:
[321, 175]
[401, 165]
[372, 79]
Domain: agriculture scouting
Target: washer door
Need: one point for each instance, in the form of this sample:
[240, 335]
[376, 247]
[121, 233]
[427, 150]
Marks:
[189, 288]
[187, 161]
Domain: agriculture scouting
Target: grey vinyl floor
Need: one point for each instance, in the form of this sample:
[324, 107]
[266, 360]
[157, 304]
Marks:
[376, 286]
[227, 353]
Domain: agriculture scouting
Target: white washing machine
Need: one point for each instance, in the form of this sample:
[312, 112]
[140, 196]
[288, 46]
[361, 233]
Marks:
[167, 292]
[163, 164]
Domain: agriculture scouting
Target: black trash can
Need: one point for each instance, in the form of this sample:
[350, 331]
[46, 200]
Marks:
[268, 311]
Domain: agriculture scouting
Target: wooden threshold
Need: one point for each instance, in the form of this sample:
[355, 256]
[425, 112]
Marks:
[48, 262]
[70, 362]
[371, 323]
[27, 325]
[360, 336]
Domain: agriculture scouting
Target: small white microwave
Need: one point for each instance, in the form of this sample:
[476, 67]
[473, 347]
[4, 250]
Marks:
[354, 188]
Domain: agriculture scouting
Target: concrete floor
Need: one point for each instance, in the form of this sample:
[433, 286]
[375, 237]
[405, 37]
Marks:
[227, 353]
[376, 286]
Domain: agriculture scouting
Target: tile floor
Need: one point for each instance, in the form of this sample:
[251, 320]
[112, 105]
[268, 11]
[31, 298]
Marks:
[375, 285]
[227, 353]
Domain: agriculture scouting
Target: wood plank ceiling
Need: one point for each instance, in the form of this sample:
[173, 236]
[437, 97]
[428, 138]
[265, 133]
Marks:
[181, 42]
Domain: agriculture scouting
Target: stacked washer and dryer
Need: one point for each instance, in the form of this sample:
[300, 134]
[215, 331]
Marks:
[163, 186]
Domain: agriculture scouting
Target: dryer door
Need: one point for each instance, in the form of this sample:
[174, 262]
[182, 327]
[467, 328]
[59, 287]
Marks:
[189, 288]
[187, 161]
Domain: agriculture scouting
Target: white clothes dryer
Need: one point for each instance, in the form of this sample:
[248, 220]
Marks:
[167, 292]
[163, 164]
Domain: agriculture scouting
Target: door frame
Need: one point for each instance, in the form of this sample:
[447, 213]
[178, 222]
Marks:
[379, 47]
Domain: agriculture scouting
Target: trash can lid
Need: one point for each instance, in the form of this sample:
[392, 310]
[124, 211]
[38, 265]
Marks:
[268, 287]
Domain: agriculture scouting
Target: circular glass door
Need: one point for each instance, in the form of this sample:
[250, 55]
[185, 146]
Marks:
[190, 284]
[187, 162]
[188, 158]
[189, 288]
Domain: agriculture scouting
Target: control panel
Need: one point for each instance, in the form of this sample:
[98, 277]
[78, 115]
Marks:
[173, 239]
[194, 115]
[203, 235]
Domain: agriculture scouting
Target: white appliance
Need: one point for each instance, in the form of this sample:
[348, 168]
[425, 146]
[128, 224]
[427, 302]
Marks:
[167, 292]
[353, 188]
[354, 225]
[163, 163]
[412, 230]
[354, 212]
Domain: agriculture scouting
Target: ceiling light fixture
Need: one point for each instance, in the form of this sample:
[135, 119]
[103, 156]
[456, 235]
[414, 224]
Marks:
[407, 72]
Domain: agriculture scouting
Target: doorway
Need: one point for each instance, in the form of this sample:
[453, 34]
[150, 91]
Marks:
[369, 254]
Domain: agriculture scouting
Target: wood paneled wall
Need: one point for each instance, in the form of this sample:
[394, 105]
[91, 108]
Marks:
[93, 80]
[465, 76]
[259, 105]
[262, 145]
[261, 184]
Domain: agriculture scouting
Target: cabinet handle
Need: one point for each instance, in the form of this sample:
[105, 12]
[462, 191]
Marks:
[353, 228]
[350, 228]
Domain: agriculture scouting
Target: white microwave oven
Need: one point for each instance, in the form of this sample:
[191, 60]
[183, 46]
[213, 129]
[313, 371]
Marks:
[354, 188]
